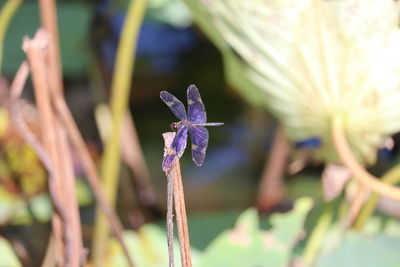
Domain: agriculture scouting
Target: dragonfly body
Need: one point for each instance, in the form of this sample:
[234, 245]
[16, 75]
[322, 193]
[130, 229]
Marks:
[192, 122]
[177, 125]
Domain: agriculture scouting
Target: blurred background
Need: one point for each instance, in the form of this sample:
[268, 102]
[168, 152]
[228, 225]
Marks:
[172, 53]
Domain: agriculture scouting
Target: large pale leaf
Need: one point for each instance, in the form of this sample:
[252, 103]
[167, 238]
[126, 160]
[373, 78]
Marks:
[311, 60]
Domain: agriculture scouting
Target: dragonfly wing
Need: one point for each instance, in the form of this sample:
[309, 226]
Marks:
[199, 139]
[177, 148]
[174, 105]
[196, 109]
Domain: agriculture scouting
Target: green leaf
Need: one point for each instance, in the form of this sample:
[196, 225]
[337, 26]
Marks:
[248, 245]
[8, 256]
[148, 247]
[363, 250]
[287, 227]
[83, 193]
[41, 207]
[7, 205]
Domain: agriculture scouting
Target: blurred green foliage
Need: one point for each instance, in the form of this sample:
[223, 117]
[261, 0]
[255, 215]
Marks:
[248, 244]
[24, 196]
[172, 12]
[363, 250]
[245, 245]
[74, 22]
[8, 256]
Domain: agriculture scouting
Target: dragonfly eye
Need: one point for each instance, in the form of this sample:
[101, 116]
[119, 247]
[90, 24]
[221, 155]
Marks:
[174, 126]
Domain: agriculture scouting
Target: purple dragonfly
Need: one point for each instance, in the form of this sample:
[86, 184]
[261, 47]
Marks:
[194, 122]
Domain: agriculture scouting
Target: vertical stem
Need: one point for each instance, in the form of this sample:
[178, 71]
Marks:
[49, 257]
[91, 171]
[317, 236]
[271, 189]
[75, 250]
[119, 101]
[61, 179]
[180, 211]
[7, 12]
[170, 220]
[48, 16]
[33, 49]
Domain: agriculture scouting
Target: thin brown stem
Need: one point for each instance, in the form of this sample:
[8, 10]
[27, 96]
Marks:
[78, 143]
[29, 137]
[23, 128]
[73, 219]
[93, 176]
[174, 180]
[48, 16]
[17, 117]
[271, 188]
[348, 159]
[34, 50]
[49, 259]
[170, 220]
[181, 218]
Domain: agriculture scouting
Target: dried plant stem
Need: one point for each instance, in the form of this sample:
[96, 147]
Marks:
[49, 259]
[119, 101]
[390, 177]
[48, 16]
[73, 219]
[17, 118]
[271, 189]
[49, 21]
[77, 142]
[175, 197]
[7, 12]
[170, 219]
[33, 49]
[346, 156]
[180, 211]
[93, 176]
[55, 240]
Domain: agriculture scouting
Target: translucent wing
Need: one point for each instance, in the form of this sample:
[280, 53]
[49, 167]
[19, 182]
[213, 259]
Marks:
[174, 105]
[176, 150]
[199, 139]
[196, 109]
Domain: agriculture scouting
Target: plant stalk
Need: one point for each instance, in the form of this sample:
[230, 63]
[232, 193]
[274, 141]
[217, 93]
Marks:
[180, 211]
[175, 197]
[318, 234]
[121, 84]
[391, 177]
[348, 159]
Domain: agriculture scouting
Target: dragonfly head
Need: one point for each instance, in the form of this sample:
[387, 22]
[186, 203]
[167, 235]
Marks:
[174, 126]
